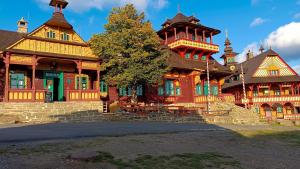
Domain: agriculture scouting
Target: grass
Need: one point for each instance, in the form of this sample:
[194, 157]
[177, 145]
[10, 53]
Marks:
[176, 161]
[290, 137]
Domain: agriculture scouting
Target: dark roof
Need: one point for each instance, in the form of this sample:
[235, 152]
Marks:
[175, 61]
[58, 2]
[250, 66]
[181, 19]
[58, 20]
[8, 38]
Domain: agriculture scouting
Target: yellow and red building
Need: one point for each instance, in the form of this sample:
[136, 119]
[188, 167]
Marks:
[53, 57]
[267, 84]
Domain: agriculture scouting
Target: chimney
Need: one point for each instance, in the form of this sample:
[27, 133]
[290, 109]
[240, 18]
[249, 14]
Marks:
[22, 26]
[249, 55]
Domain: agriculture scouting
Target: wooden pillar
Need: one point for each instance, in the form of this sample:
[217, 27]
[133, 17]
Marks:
[211, 40]
[6, 90]
[280, 86]
[196, 36]
[61, 8]
[166, 38]
[33, 77]
[293, 89]
[203, 36]
[251, 90]
[98, 80]
[175, 33]
[187, 32]
[269, 88]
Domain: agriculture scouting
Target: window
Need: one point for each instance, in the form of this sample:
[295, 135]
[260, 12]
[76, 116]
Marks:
[196, 57]
[266, 92]
[178, 91]
[51, 34]
[255, 93]
[84, 82]
[65, 36]
[230, 60]
[205, 89]
[17, 80]
[274, 72]
[277, 92]
[187, 55]
[160, 91]
[103, 86]
[198, 89]
[169, 88]
[203, 58]
[193, 37]
[122, 91]
[215, 90]
[279, 109]
[139, 90]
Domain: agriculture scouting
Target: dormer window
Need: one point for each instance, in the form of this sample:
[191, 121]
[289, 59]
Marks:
[65, 36]
[274, 72]
[51, 34]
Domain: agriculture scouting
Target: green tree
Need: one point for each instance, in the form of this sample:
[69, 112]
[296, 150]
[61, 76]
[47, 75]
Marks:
[130, 50]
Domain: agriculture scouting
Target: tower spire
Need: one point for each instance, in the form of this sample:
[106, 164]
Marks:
[58, 5]
[178, 8]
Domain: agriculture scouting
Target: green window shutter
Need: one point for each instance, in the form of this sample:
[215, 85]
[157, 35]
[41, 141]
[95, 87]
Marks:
[187, 55]
[279, 109]
[124, 91]
[206, 89]
[215, 91]
[84, 83]
[103, 86]
[203, 58]
[178, 91]
[196, 57]
[140, 90]
[199, 89]
[17, 80]
[160, 91]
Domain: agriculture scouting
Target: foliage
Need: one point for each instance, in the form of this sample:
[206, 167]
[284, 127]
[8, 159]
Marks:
[129, 49]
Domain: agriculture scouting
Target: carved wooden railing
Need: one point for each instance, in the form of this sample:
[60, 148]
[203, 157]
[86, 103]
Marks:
[83, 95]
[260, 99]
[26, 95]
[292, 116]
[188, 42]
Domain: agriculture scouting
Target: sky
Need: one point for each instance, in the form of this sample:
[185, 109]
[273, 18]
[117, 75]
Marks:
[250, 23]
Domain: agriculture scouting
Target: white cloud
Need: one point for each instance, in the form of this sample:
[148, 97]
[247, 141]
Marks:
[85, 5]
[297, 15]
[257, 21]
[285, 41]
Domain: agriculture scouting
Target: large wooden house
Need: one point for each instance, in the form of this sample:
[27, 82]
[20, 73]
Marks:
[191, 48]
[266, 83]
[53, 57]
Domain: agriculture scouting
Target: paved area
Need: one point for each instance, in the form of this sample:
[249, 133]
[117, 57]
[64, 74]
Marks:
[22, 133]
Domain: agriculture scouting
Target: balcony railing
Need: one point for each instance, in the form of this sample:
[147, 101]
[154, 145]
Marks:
[83, 95]
[194, 44]
[26, 95]
[274, 99]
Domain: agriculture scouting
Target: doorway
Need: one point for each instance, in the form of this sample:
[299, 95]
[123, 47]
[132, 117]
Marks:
[55, 89]
[54, 83]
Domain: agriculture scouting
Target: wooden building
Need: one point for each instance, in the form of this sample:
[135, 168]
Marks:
[267, 84]
[191, 48]
[53, 57]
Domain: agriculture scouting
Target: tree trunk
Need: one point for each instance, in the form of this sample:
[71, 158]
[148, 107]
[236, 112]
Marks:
[134, 99]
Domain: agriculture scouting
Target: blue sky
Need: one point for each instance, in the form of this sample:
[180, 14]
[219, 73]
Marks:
[275, 23]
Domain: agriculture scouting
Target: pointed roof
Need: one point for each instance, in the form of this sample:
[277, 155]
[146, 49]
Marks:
[8, 38]
[250, 66]
[181, 18]
[58, 2]
[58, 20]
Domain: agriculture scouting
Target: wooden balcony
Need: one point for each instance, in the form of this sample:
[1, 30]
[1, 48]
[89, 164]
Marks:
[194, 44]
[26, 95]
[275, 99]
[83, 95]
[203, 99]
[292, 116]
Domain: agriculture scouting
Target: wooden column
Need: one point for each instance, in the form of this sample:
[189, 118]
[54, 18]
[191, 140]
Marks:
[33, 77]
[196, 36]
[187, 32]
[203, 36]
[175, 33]
[61, 8]
[98, 80]
[211, 40]
[166, 38]
[280, 86]
[293, 89]
[6, 61]
[251, 90]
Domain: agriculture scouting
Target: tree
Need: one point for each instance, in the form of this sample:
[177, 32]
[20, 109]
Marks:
[130, 50]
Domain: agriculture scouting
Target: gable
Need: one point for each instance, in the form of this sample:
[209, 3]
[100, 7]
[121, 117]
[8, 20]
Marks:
[273, 63]
[37, 41]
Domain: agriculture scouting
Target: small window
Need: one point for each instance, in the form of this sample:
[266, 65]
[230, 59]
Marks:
[187, 55]
[279, 109]
[178, 91]
[196, 57]
[255, 93]
[84, 82]
[198, 89]
[17, 81]
[277, 92]
[103, 86]
[160, 91]
[139, 90]
[65, 37]
[51, 34]
[169, 86]
[274, 72]
[203, 58]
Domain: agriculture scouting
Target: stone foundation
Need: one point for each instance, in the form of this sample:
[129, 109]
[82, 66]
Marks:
[50, 112]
